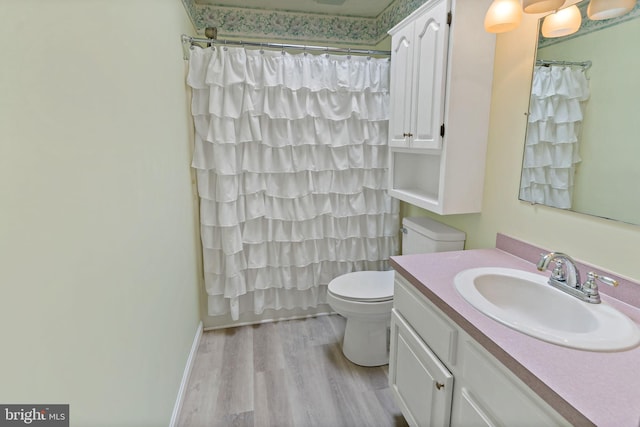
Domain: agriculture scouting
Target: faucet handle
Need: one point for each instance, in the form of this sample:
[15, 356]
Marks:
[590, 287]
[591, 278]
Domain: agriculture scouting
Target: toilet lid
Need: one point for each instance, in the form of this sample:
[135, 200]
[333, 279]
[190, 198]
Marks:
[368, 286]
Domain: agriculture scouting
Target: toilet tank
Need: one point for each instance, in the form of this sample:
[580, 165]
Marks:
[425, 235]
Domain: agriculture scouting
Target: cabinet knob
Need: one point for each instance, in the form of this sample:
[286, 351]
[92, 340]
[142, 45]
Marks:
[406, 134]
[439, 385]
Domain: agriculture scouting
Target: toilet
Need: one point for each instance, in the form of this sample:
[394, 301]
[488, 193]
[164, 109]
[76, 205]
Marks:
[365, 298]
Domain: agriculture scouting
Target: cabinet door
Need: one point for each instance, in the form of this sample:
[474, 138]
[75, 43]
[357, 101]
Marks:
[400, 87]
[421, 384]
[431, 40]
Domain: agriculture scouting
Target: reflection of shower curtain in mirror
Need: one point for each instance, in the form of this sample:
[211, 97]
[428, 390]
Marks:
[558, 96]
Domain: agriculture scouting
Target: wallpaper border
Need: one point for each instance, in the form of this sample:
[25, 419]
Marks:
[233, 22]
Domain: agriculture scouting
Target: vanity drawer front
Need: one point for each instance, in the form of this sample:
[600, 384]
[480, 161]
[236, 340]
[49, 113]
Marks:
[439, 334]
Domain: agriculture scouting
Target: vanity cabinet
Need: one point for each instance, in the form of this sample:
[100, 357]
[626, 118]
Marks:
[441, 74]
[439, 375]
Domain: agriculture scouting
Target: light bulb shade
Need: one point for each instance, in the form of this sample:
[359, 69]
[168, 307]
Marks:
[541, 6]
[562, 23]
[502, 16]
[607, 9]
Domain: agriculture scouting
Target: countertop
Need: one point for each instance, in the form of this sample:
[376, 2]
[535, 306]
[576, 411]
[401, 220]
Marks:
[601, 388]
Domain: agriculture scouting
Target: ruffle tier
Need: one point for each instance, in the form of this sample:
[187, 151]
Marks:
[557, 133]
[283, 103]
[556, 178]
[290, 278]
[233, 159]
[227, 188]
[544, 194]
[551, 155]
[555, 109]
[262, 299]
[279, 133]
[287, 255]
[231, 240]
[226, 66]
[253, 206]
[564, 82]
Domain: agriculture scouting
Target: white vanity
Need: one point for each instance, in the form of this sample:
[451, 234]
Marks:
[452, 365]
[429, 351]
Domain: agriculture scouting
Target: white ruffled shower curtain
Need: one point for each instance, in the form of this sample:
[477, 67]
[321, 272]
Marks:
[291, 162]
[551, 152]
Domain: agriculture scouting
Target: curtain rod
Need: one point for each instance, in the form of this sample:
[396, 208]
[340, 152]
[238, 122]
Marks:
[327, 49]
[585, 64]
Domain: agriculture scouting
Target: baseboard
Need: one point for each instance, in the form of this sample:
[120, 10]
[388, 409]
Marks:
[185, 377]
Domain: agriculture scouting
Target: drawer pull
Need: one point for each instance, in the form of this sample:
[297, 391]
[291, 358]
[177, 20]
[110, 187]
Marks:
[439, 386]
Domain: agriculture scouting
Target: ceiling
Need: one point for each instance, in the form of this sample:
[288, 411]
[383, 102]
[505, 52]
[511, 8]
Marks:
[359, 8]
[354, 23]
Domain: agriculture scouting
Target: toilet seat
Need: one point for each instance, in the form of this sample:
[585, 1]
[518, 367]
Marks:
[363, 286]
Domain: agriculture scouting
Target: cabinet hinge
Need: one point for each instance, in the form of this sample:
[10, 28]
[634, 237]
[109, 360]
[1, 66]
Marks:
[449, 18]
[442, 130]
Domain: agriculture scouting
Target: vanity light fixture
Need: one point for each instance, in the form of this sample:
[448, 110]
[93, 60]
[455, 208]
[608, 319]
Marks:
[562, 23]
[607, 9]
[503, 16]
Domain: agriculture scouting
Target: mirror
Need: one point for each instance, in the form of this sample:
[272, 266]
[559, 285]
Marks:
[582, 148]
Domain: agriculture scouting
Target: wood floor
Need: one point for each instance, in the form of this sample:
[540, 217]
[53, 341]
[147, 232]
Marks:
[287, 373]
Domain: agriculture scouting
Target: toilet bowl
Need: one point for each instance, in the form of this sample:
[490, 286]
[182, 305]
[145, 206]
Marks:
[365, 298]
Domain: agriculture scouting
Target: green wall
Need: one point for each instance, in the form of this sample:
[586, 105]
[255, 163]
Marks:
[99, 277]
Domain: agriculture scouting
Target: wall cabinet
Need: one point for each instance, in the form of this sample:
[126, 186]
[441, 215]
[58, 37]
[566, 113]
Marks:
[419, 50]
[439, 375]
[441, 74]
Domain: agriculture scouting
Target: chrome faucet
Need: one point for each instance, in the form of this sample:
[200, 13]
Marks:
[566, 277]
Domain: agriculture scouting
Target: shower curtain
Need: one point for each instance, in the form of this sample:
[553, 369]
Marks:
[558, 96]
[291, 163]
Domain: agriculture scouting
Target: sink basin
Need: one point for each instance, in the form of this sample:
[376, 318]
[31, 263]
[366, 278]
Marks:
[525, 302]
